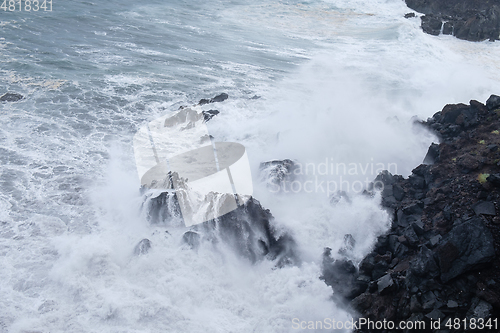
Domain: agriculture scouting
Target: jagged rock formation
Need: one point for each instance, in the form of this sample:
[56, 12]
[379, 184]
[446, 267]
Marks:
[207, 115]
[249, 230]
[441, 257]
[162, 208]
[473, 20]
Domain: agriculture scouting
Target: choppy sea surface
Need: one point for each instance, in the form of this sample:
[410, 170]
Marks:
[316, 81]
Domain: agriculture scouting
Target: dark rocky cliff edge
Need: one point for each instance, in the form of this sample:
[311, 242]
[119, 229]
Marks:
[441, 258]
[473, 20]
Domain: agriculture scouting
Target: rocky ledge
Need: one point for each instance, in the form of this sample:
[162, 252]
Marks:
[473, 20]
[441, 258]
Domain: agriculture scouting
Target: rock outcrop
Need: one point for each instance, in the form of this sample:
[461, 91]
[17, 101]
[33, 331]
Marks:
[473, 20]
[440, 259]
[219, 98]
[11, 97]
[277, 173]
[142, 247]
[249, 230]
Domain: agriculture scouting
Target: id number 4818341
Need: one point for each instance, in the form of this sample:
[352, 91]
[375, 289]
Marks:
[26, 5]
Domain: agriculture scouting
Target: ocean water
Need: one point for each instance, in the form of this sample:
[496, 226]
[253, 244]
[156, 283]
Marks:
[333, 82]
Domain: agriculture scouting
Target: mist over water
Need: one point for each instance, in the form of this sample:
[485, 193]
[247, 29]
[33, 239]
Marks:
[337, 81]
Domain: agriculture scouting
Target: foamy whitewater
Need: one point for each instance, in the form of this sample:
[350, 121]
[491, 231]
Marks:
[338, 81]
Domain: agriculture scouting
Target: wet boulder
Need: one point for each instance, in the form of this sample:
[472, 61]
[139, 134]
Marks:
[480, 108]
[493, 102]
[448, 28]
[250, 231]
[11, 97]
[219, 98]
[411, 237]
[451, 113]
[162, 208]
[207, 115]
[484, 208]
[432, 155]
[385, 284]
[380, 268]
[383, 179]
[467, 246]
[342, 276]
[431, 24]
[142, 247]
[494, 179]
[367, 265]
[192, 239]
[424, 264]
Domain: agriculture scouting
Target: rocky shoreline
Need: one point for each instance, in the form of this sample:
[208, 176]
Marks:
[473, 20]
[440, 260]
[441, 257]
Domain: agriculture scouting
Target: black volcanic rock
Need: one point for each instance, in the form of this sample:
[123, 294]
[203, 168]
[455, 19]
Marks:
[142, 247]
[448, 28]
[431, 24]
[473, 20]
[442, 250]
[450, 113]
[162, 209]
[342, 276]
[219, 98]
[493, 102]
[467, 246]
[248, 230]
[453, 119]
[484, 208]
[432, 155]
[494, 179]
[385, 284]
[192, 239]
[11, 97]
[207, 115]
